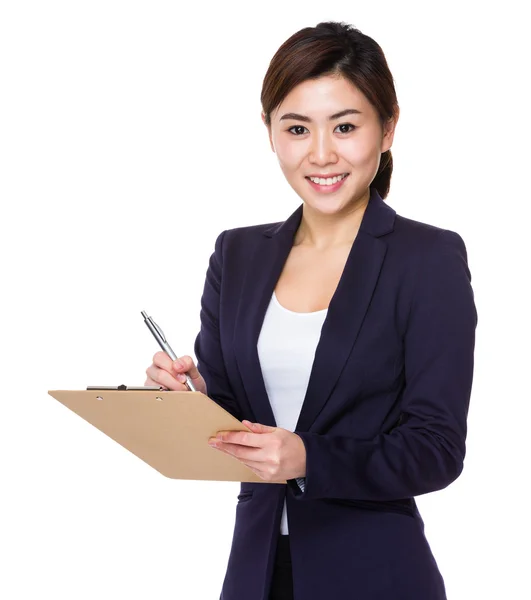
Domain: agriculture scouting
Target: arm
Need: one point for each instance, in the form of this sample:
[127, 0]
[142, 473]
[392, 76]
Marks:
[426, 451]
[207, 347]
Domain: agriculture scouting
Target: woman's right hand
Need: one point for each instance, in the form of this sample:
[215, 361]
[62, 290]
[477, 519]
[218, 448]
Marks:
[168, 373]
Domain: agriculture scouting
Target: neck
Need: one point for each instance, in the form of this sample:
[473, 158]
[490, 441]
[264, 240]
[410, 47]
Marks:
[325, 232]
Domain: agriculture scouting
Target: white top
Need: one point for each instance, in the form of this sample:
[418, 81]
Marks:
[286, 350]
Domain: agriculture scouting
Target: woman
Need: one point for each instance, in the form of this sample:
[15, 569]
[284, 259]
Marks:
[343, 338]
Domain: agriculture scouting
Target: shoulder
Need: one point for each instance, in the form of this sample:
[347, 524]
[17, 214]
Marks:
[432, 265]
[425, 239]
[419, 254]
[250, 231]
[244, 237]
[424, 233]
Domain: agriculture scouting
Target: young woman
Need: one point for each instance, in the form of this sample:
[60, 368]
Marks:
[343, 337]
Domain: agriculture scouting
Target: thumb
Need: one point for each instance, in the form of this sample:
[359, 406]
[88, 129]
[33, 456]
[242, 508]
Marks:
[258, 427]
[186, 364]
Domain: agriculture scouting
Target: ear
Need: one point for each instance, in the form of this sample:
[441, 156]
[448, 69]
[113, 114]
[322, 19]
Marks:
[389, 133]
[269, 132]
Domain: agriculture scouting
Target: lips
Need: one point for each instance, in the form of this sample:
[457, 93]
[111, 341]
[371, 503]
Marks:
[319, 176]
[327, 189]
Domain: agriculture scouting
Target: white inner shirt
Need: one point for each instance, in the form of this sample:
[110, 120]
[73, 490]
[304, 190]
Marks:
[286, 350]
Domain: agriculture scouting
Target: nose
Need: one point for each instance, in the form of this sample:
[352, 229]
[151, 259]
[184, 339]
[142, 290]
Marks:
[322, 149]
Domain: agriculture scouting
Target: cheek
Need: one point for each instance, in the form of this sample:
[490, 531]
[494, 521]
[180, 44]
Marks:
[290, 155]
[362, 153]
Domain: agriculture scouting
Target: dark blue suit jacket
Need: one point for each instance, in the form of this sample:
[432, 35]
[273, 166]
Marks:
[384, 416]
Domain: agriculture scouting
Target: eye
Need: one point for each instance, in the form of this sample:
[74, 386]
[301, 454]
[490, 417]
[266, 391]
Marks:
[295, 127]
[341, 125]
[347, 125]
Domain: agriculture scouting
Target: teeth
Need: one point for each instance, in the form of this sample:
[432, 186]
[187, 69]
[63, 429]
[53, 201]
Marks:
[329, 180]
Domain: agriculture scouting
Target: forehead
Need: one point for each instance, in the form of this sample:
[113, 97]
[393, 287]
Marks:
[322, 97]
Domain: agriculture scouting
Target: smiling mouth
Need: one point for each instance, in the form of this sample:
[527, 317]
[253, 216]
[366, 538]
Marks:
[328, 180]
[335, 182]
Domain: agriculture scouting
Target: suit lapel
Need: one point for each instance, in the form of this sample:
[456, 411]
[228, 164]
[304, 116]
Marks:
[263, 271]
[345, 313]
[343, 321]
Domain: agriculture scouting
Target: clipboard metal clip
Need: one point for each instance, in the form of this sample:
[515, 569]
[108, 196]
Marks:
[156, 388]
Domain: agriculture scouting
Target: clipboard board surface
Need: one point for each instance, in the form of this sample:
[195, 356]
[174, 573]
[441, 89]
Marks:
[166, 429]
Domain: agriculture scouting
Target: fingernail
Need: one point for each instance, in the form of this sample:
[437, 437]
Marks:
[181, 377]
[178, 364]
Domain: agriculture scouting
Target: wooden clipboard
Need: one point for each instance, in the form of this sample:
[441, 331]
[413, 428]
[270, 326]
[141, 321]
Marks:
[168, 430]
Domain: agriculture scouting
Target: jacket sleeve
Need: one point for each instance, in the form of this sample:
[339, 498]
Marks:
[207, 346]
[426, 451]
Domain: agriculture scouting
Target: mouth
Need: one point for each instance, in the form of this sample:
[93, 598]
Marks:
[327, 185]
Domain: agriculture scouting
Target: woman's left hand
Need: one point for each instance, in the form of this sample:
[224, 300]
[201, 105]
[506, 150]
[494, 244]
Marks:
[273, 453]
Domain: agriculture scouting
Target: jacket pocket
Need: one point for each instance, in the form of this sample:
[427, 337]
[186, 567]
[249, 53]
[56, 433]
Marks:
[244, 496]
[404, 507]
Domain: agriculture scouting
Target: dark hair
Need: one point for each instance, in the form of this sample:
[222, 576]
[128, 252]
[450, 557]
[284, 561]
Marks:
[333, 48]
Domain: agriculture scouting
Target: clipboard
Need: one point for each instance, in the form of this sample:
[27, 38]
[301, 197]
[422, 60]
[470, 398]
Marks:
[168, 430]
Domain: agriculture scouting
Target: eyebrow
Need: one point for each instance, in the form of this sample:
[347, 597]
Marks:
[297, 117]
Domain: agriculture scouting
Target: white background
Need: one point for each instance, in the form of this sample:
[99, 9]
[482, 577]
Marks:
[130, 138]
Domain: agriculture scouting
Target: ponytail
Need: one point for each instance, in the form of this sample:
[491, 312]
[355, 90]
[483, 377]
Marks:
[382, 181]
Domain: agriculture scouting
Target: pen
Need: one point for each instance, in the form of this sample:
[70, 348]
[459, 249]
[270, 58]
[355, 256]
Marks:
[161, 339]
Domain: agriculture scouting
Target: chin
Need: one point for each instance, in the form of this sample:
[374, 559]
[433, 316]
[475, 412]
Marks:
[326, 206]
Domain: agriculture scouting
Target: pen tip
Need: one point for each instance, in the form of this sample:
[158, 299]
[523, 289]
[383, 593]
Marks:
[144, 314]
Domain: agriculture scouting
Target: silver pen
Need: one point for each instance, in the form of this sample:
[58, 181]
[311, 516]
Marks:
[161, 339]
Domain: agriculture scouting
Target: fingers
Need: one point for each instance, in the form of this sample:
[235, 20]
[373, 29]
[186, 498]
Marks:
[171, 373]
[162, 373]
[162, 361]
[156, 376]
[185, 364]
[245, 438]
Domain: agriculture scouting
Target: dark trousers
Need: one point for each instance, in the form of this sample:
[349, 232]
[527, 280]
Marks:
[282, 583]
